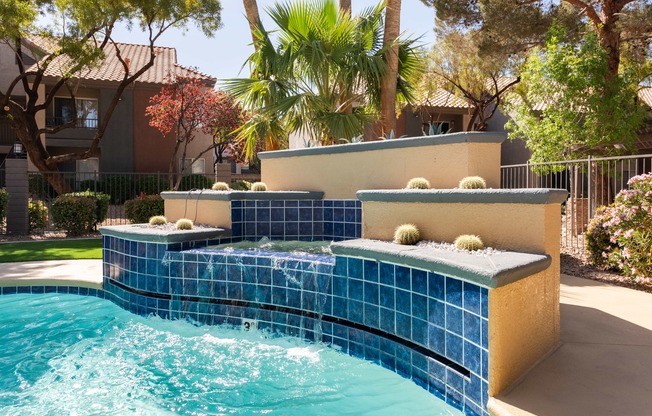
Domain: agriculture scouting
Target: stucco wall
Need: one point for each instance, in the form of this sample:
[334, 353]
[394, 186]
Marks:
[209, 212]
[339, 174]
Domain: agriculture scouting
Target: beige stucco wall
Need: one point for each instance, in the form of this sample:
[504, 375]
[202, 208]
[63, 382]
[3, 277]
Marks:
[208, 212]
[523, 316]
[341, 175]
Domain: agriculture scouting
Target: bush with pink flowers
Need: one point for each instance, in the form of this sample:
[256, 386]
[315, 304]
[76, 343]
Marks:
[620, 236]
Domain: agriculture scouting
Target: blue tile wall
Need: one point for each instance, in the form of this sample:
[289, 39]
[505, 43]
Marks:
[307, 220]
[386, 313]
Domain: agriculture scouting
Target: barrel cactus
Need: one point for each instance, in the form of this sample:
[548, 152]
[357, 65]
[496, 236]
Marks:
[468, 242]
[259, 186]
[418, 183]
[473, 182]
[158, 220]
[407, 234]
[184, 224]
[220, 186]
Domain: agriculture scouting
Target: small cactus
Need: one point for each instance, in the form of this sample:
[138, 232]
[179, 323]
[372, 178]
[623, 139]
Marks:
[418, 183]
[158, 220]
[468, 242]
[473, 182]
[184, 224]
[407, 234]
[220, 186]
[258, 186]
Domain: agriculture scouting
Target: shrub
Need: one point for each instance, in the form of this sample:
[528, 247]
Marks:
[195, 182]
[220, 186]
[418, 183]
[4, 200]
[468, 242]
[473, 182]
[39, 187]
[407, 234]
[38, 214]
[620, 236]
[89, 185]
[241, 186]
[151, 185]
[259, 186]
[158, 220]
[101, 203]
[74, 214]
[184, 224]
[121, 188]
[144, 207]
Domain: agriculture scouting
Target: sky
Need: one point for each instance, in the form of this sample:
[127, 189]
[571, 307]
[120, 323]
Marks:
[223, 55]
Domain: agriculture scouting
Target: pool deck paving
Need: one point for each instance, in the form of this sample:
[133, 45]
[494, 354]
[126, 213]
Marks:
[601, 367]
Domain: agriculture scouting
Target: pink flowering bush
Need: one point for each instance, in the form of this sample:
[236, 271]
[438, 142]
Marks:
[620, 236]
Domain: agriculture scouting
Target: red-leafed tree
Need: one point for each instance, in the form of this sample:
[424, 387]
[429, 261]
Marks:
[186, 107]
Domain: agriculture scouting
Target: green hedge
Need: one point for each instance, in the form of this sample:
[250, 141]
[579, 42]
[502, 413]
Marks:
[151, 185]
[4, 200]
[195, 182]
[38, 214]
[74, 214]
[101, 203]
[142, 208]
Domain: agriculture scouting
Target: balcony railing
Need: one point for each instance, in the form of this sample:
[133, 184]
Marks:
[87, 123]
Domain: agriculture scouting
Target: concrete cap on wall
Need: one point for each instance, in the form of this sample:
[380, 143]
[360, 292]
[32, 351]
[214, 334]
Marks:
[491, 270]
[467, 196]
[442, 139]
[210, 195]
[152, 234]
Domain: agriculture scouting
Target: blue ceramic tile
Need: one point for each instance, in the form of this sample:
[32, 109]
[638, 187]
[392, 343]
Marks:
[350, 230]
[291, 214]
[404, 361]
[371, 270]
[484, 334]
[328, 214]
[305, 214]
[356, 311]
[454, 292]
[420, 281]
[328, 230]
[292, 228]
[308, 301]
[386, 274]
[318, 214]
[262, 204]
[349, 215]
[403, 279]
[403, 326]
[472, 298]
[436, 286]
[250, 214]
[419, 331]
[355, 268]
[371, 315]
[387, 295]
[454, 319]
[437, 339]
[454, 348]
[387, 321]
[419, 306]
[472, 357]
[338, 215]
[262, 229]
[403, 301]
[371, 293]
[472, 327]
[277, 229]
[340, 286]
[236, 215]
[263, 294]
[355, 289]
[340, 307]
[305, 228]
[294, 298]
[484, 302]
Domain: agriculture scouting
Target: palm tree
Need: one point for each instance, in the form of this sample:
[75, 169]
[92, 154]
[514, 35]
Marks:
[251, 10]
[323, 64]
[345, 6]
[388, 91]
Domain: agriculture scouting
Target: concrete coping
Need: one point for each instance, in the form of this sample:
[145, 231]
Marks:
[210, 195]
[442, 139]
[467, 196]
[155, 234]
[491, 271]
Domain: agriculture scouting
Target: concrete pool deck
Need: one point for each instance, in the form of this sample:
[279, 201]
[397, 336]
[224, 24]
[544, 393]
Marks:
[601, 367]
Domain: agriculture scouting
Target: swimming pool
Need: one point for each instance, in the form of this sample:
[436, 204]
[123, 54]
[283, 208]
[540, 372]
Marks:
[67, 354]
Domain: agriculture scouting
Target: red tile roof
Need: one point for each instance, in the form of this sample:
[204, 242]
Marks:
[111, 69]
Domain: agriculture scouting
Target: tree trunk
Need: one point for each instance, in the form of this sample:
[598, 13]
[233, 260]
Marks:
[388, 86]
[251, 9]
[345, 6]
[610, 37]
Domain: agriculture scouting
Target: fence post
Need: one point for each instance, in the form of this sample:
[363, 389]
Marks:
[18, 190]
[527, 174]
[590, 185]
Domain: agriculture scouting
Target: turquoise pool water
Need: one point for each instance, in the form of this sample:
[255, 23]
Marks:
[290, 246]
[74, 355]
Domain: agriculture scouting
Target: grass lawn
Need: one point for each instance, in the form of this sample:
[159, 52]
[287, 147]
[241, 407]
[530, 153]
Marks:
[51, 250]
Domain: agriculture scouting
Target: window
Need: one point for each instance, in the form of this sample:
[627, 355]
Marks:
[87, 169]
[196, 168]
[65, 109]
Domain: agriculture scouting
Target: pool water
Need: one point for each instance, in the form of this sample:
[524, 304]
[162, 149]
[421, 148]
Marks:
[75, 355]
[289, 246]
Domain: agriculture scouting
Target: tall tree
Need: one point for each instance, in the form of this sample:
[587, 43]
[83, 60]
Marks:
[81, 40]
[390, 79]
[251, 10]
[345, 6]
[184, 108]
[323, 63]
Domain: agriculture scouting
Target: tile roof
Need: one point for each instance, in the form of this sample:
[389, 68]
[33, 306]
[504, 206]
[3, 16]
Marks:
[110, 68]
[645, 95]
[443, 98]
